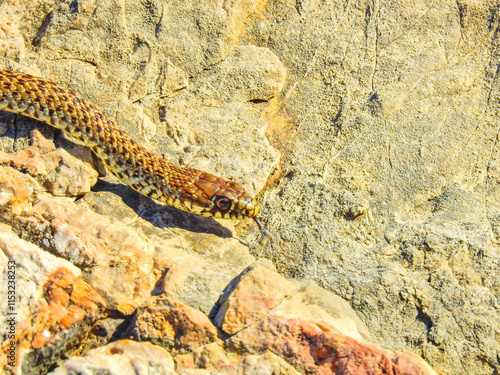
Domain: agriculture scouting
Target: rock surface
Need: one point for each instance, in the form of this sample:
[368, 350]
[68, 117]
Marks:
[369, 132]
[121, 357]
[319, 349]
[172, 325]
[52, 310]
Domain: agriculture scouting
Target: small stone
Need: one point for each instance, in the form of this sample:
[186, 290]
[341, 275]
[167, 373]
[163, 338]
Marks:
[66, 175]
[318, 349]
[250, 297]
[54, 307]
[16, 191]
[122, 357]
[172, 325]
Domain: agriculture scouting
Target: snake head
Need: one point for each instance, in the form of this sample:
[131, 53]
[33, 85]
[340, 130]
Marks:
[216, 197]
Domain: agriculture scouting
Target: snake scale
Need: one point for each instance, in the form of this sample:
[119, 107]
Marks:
[187, 189]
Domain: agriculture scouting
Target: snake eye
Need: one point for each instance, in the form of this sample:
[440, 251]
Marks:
[223, 203]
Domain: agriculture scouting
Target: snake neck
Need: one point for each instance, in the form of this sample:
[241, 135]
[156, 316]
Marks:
[184, 188]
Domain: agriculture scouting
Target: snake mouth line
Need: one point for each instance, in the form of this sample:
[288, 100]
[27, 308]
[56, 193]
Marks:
[261, 226]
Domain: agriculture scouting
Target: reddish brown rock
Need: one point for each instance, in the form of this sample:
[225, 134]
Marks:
[320, 349]
[259, 291]
[171, 324]
[67, 309]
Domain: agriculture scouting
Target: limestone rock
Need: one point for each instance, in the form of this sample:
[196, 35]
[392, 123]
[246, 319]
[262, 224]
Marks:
[16, 191]
[264, 364]
[198, 281]
[121, 358]
[53, 307]
[56, 170]
[260, 291]
[375, 159]
[249, 73]
[319, 349]
[211, 358]
[250, 297]
[172, 325]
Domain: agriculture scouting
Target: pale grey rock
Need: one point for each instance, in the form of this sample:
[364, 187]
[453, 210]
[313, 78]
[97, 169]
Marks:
[264, 364]
[121, 357]
[249, 73]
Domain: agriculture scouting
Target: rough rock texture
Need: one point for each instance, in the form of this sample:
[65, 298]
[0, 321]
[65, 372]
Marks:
[52, 310]
[368, 129]
[317, 349]
[58, 171]
[171, 324]
[121, 357]
[259, 292]
[211, 359]
[389, 191]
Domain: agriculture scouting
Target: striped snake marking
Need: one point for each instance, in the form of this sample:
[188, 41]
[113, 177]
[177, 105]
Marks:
[187, 189]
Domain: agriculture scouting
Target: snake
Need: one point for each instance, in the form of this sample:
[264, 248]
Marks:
[187, 189]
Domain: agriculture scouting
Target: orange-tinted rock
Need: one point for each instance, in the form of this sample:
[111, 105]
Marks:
[55, 322]
[59, 172]
[67, 176]
[118, 262]
[171, 324]
[259, 291]
[250, 297]
[213, 359]
[16, 191]
[263, 364]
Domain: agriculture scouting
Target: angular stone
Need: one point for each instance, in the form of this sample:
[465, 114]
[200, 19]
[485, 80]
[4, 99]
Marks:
[53, 307]
[319, 349]
[58, 171]
[66, 175]
[250, 297]
[121, 357]
[260, 291]
[172, 325]
[313, 303]
[17, 191]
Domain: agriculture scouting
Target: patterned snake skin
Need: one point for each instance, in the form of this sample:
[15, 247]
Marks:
[187, 189]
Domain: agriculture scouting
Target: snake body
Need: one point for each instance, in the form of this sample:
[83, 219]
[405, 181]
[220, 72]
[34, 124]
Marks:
[187, 189]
